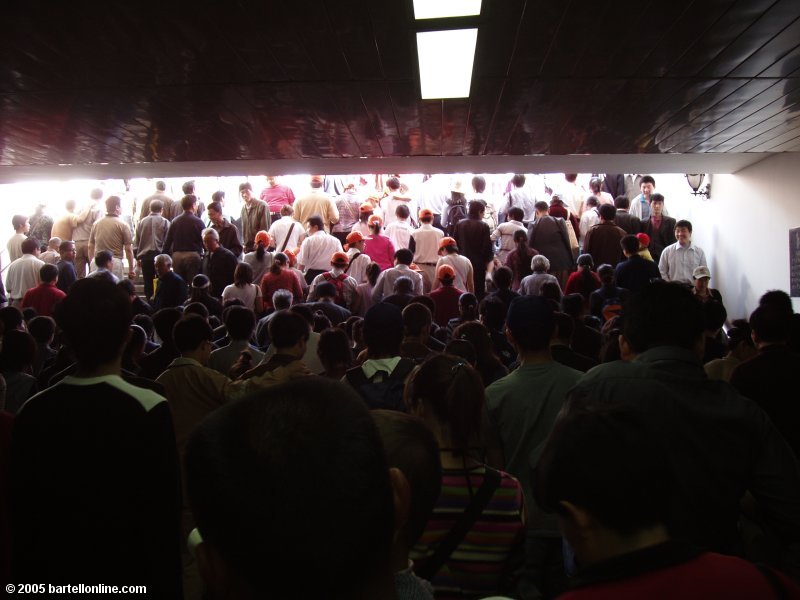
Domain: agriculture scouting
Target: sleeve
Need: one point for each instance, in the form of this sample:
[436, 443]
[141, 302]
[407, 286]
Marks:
[301, 256]
[297, 289]
[290, 195]
[137, 237]
[92, 234]
[412, 244]
[126, 235]
[168, 241]
[312, 289]
[495, 234]
[488, 251]
[377, 293]
[333, 212]
[663, 264]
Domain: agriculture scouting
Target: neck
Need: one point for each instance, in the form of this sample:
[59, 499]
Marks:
[535, 358]
[605, 544]
[110, 368]
[194, 355]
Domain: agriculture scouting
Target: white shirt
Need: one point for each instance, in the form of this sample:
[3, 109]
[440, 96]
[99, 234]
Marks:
[390, 204]
[23, 274]
[426, 244]
[523, 199]
[358, 266]
[280, 229]
[349, 286]
[14, 246]
[677, 263]
[589, 219]
[400, 233]
[433, 195]
[462, 266]
[385, 285]
[640, 207]
[505, 233]
[317, 250]
[250, 295]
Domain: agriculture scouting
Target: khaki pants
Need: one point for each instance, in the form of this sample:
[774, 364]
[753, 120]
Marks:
[83, 262]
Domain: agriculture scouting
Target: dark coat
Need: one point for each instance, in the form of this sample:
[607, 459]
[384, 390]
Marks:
[171, 291]
[662, 238]
[602, 242]
[636, 272]
[548, 235]
[630, 223]
[219, 267]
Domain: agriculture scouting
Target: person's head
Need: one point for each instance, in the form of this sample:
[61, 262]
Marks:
[279, 261]
[740, 339]
[163, 264]
[683, 232]
[662, 314]
[448, 395]
[18, 350]
[354, 239]
[393, 183]
[375, 224]
[54, 244]
[644, 240]
[647, 184]
[622, 202]
[287, 210]
[565, 325]
[426, 301]
[196, 308]
[163, 322]
[656, 205]
[48, 274]
[96, 194]
[476, 209]
[630, 245]
[43, 329]
[403, 256]
[188, 187]
[126, 285]
[479, 184]
[239, 322]
[585, 262]
[215, 213]
[282, 299]
[714, 317]
[243, 274]
[11, 318]
[30, 246]
[189, 202]
[778, 299]
[477, 334]
[317, 181]
[770, 325]
[572, 304]
[530, 324]
[314, 224]
[540, 264]
[67, 250]
[192, 336]
[606, 274]
[146, 323]
[402, 212]
[156, 207]
[334, 351]
[426, 215]
[403, 286]
[20, 224]
[262, 242]
[246, 192]
[518, 180]
[603, 492]
[268, 515]
[607, 212]
[515, 213]
[521, 240]
[289, 331]
[492, 312]
[339, 260]
[447, 245]
[595, 185]
[417, 320]
[103, 259]
[383, 330]
[502, 278]
[95, 343]
[410, 447]
[29, 313]
[136, 343]
[541, 208]
[113, 205]
[326, 291]
[210, 239]
[701, 277]
[161, 186]
[468, 306]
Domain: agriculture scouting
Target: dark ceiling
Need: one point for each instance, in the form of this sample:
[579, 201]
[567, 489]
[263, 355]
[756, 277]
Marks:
[145, 81]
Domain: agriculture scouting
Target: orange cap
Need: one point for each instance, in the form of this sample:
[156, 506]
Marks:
[366, 207]
[262, 236]
[339, 258]
[354, 237]
[445, 272]
[292, 255]
[447, 241]
[425, 212]
[374, 219]
[643, 238]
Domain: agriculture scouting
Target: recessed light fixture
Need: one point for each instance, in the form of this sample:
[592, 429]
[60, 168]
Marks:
[445, 62]
[440, 9]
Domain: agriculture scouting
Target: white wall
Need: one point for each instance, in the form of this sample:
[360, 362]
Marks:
[744, 230]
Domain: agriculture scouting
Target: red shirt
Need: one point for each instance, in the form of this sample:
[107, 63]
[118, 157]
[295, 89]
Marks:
[277, 197]
[285, 280]
[43, 298]
[446, 300]
[381, 250]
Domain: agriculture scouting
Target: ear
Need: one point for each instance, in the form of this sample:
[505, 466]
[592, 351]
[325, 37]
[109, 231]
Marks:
[576, 518]
[401, 493]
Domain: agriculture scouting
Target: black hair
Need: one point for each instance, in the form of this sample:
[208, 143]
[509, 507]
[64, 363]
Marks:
[333, 348]
[383, 330]
[416, 317]
[66, 246]
[77, 315]
[630, 244]
[404, 256]
[215, 206]
[515, 213]
[188, 201]
[479, 184]
[770, 324]
[571, 177]
[475, 208]
[402, 212]
[316, 221]
[592, 201]
[145, 322]
[29, 246]
[245, 186]
[243, 274]
[287, 328]
[714, 315]
[403, 285]
[647, 179]
[607, 212]
[113, 203]
[663, 314]
[156, 206]
[103, 258]
[325, 289]
[42, 329]
[163, 322]
[373, 271]
[530, 323]
[18, 221]
[493, 312]
[684, 223]
[589, 460]
[196, 308]
[778, 299]
[622, 202]
[161, 186]
[518, 180]
[11, 317]
[657, 198]
[393, 183]
[278, 261]
[126, 285]
[191, 331]
[304, 470]
[48, 273]
[188, 187]
[541, 206]
[487, 363]
[502, 277]
[426, 301]
[18, 351]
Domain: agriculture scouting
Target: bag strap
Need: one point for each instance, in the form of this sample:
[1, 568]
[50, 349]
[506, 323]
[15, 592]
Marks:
[428, 568]
[288, 235]
[355, 256]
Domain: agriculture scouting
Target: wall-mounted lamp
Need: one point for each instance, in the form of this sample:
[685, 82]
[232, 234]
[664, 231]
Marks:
[695, 181]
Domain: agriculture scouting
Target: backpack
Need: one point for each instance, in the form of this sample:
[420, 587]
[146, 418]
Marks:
[456, 213]
[383, 390]
[338, 282]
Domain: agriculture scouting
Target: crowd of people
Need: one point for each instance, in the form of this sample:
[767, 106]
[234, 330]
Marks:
[393, 394]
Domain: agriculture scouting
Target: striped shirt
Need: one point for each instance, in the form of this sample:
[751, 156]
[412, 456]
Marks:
[479, 565]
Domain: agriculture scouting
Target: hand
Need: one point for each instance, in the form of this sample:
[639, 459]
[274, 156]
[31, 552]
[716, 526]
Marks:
[131, 274]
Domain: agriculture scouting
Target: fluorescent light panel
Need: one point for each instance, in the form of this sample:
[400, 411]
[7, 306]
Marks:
[440, 9]
[445, 62]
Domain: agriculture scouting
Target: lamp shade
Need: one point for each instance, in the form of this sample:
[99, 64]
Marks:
[695, 180]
